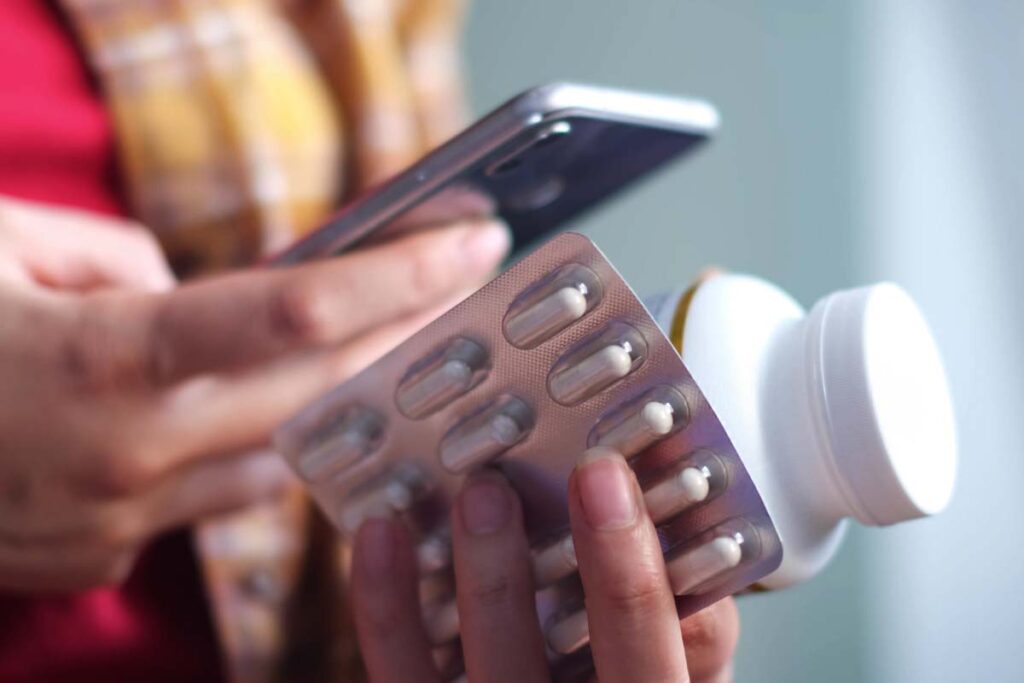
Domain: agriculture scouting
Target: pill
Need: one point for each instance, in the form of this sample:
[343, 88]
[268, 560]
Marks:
[447, 659]
[499, 431]
[392, 497]
[690, 569]
[339, 448]
[454, 374]
[569, 634]
[677, 492]
[551, 314]
[653, 421]
[595, 372]
[434, 554]
[554, 562]
[442, 623]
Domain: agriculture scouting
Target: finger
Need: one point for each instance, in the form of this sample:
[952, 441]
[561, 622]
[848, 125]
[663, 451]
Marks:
[94, 550]
[209, 489]
[633, 626]
[64, 568]
[206, 415]
[501, 640]
[386, 606]
[229, 322]
[710, 637]
[71, 249]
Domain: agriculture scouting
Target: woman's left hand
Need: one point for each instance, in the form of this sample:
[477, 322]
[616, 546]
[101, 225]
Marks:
[635, 634]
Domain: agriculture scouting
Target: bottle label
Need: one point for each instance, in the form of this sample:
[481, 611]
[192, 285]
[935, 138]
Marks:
[669, 309]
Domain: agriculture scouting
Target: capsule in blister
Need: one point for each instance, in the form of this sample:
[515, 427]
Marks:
[568, 631]
[341, 442]
[390, 494]
[597, 363]
[441, 622]
[554, 562]
[700, 477]
[486, 435]
[704, 563]
[555, 303]
[642, 421]
[442, 377]
[434, 553]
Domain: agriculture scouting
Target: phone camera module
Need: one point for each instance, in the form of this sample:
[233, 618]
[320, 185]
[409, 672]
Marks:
[553, 134]
[536, 195]
[548, 136]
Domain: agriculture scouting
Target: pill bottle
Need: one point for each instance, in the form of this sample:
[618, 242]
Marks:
[840, 413]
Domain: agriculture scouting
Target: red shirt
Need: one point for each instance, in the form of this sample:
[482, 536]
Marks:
[56, 146]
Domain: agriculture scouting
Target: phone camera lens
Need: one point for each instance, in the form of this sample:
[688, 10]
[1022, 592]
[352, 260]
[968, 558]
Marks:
[556, 132]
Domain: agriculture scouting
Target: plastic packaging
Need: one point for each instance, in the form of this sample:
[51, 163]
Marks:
[554, 356]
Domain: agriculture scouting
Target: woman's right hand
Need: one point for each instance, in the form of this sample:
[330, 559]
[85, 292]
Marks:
[129, 405]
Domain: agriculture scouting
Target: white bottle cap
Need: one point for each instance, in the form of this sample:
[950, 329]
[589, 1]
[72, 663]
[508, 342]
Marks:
[884, 404]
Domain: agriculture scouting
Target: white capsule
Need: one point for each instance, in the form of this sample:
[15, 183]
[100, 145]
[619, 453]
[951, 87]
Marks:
[434, 554]
[554, 562]
[677, 492]
[692, 568]
[484, 443]
[548, 316]
[442, 623]
[567, 635]
[598, 370]
[447, 381]
[386, 500]
[338, 449]
[653, 421]
[446, 658]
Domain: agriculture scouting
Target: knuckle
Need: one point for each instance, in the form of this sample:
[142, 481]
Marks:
[638, 595]
[299, 312]
[84, 357]
[154, 366]
[428, 269]
[380, 617]
[711, 636]
[94, 355]
[116, 476]
[492, 591]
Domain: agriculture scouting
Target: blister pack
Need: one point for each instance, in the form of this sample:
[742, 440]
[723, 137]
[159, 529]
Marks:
[555, 355]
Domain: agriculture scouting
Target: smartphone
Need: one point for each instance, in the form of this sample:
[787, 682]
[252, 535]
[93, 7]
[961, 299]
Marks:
[538, 161]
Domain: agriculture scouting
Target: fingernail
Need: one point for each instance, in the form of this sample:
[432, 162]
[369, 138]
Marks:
[606, 489]
[486, 245]
[485, 505]
[376, 550]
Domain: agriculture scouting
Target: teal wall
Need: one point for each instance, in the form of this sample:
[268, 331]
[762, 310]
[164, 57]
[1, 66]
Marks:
[770, 196]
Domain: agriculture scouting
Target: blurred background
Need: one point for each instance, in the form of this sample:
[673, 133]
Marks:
[861, 141]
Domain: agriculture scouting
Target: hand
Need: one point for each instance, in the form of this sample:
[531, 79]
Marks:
[635, 634]
[129, 406]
